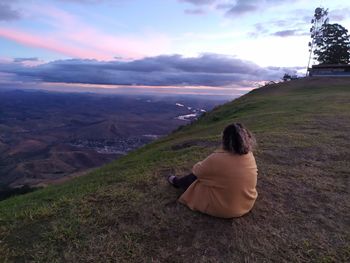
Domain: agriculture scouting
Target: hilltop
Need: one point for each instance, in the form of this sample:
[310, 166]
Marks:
[126, 212]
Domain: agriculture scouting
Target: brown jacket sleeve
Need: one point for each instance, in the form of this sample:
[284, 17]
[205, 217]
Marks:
[197, 168]
[202, 168]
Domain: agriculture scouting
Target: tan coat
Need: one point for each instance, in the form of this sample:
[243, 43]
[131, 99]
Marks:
[225, 186]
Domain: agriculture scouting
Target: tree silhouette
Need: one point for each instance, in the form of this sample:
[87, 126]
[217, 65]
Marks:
[286, 77]
[334, 45]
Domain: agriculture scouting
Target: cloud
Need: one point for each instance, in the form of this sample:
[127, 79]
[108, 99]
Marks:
[199, 2]
[239, 7]
[70, 36]
[48, 43]
[339, 14]
[285, 33]
[242, 7]
[31, 61]
[197, 11]
[166, 70]
[85, 1]
[289, 33]
[7, 13]
[260, 29]
[281, 28]
[20, 60]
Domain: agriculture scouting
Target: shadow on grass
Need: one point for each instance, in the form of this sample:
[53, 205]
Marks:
[7, 192]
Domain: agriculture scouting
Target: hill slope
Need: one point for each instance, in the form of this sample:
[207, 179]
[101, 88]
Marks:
[126, 212]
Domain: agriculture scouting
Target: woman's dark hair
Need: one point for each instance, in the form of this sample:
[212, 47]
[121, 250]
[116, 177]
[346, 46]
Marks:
[237, 139]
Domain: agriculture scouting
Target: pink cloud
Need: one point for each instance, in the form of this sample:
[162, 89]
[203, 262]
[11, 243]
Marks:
[43, 42]
[72, 37]
[85, 44]
[131, 47]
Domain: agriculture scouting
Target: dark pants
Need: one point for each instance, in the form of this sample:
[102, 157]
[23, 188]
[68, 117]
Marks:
[185, 181]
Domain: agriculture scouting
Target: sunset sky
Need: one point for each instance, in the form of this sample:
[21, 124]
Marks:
[175, 46]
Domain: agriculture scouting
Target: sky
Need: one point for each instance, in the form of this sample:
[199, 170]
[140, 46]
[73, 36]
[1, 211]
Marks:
[221, 47]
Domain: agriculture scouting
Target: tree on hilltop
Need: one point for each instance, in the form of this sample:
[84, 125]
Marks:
[286, 77]
[334, 45]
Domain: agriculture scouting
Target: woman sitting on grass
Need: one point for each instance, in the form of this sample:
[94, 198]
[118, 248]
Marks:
[223, 185]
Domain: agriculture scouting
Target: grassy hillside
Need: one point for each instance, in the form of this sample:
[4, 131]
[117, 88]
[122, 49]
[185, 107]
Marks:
[126, 211]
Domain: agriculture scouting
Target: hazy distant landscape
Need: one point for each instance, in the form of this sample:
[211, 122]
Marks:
[45, 136]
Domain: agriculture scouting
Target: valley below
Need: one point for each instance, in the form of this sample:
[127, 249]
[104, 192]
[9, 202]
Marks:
[47, 136]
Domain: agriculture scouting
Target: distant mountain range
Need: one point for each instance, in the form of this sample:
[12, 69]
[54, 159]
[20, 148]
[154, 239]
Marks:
[45, 136]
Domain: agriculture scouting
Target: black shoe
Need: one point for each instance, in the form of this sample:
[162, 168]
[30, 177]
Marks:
[171, 180]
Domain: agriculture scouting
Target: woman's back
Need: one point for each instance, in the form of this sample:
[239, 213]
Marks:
[225, 186]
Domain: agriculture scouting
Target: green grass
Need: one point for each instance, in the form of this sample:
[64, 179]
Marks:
[126, 212]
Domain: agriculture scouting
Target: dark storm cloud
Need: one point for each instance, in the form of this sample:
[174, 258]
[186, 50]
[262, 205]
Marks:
[174, 70]
[8, 13]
